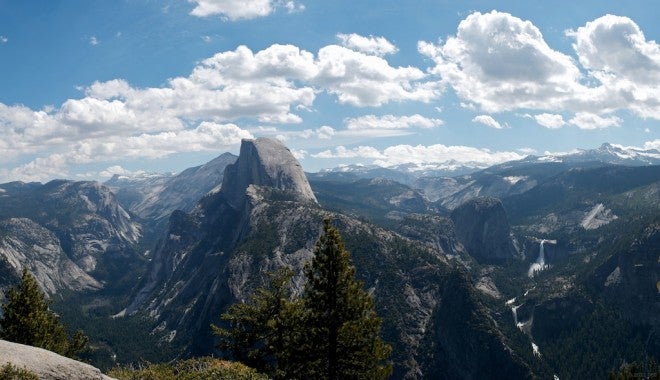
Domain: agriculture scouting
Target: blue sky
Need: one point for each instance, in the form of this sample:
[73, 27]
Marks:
[90, 88]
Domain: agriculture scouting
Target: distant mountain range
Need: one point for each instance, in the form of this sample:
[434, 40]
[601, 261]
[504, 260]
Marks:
[606, 154]
[71, 235]
[448, 259]
[154, 196]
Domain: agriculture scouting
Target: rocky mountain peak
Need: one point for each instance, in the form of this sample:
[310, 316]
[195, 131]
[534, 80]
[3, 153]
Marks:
[482, 226]
[265, 162]
[154, 196]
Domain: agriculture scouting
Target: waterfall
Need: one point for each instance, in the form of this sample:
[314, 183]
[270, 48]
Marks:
[540, 264]
[514, 310]
[535, 350]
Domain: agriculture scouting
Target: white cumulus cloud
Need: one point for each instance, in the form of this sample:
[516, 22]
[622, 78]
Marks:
[343, 152]
[234, 10]
[40, 169]
[275, 85]
[501, 62]
[497, 62]
[487, 120]
[206, 136]
[379, 46]
[118, 170]
[616, 45]
[440, 155]
[367, 80]
[586, 120]
[549, 120]
[299, 154]
[436, 156]
[292, 6]
[616, 53]
[391, 122]
[655, 144]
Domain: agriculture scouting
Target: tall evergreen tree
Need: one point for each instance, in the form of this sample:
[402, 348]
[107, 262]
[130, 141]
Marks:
[27, 320]
[342, 340]
[330, 333]
[262, 331]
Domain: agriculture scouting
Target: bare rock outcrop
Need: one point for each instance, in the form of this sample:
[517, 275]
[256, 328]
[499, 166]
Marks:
[265, 162]
[482, 226]
[156, 196]
[70, 235]
[47, 365]
[25, 243]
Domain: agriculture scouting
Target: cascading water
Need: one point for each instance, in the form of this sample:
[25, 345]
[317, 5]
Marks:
[540, 264]
[535, 350]
[514, 310]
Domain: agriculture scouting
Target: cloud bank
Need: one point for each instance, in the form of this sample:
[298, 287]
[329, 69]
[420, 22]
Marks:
[421, 157]
[498, 62]
[203, 111]
[234, 10]
[494, 63]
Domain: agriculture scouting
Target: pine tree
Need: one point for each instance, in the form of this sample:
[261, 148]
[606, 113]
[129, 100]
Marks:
[27, 320]
[329, 333]
[342, 340]
[262, 331]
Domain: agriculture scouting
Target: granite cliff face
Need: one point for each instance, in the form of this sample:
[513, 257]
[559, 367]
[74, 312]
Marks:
[187, 264]
[265, 162]
[24, 243]
[154, 197]
[264, 217]
[463, 340]
[481, 225]
[72, 235]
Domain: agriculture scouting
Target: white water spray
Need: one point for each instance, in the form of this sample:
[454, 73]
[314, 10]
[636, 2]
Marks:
[535, 350]
[540, 264]
[514, 311]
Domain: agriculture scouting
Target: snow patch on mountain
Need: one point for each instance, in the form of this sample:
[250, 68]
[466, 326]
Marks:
[607, 153]
[514, 179]
[598, 216]
[614, 277]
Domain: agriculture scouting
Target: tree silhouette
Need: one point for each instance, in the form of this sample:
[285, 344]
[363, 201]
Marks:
[262, 331]
[27, 320]
[329, 333]
[343, 327]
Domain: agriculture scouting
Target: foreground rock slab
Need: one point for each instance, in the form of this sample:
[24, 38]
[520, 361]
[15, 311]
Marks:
[45, 364]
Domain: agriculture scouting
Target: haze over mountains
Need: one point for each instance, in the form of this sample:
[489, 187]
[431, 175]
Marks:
[447, 259]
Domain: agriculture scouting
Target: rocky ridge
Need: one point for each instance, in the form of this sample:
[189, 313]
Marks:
[481, 224]
[264, 216]
[265, 162]
[47, 365]
[155, 196]
[73, 235]
[25, 243]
